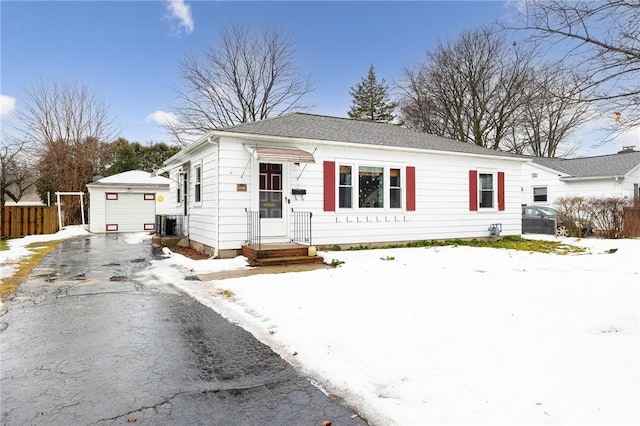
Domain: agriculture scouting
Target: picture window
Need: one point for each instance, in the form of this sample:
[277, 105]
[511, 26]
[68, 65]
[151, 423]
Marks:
[371, 187]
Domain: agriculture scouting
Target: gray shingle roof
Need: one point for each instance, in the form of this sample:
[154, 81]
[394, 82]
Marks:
[601, 166]
[319, 127]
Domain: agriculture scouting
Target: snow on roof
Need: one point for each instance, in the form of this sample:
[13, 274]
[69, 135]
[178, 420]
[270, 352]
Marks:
[133, 177]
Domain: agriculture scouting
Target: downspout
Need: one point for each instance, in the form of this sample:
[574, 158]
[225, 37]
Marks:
[216, 249]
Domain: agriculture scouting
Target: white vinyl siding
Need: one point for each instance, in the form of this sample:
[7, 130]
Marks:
[441, 194]
[535, 176]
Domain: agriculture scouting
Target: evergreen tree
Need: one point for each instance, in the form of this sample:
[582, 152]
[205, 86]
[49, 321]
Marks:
[371, 100]
[127, 156]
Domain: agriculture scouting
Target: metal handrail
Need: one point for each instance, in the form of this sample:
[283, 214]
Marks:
[302, 230]
[254, 232]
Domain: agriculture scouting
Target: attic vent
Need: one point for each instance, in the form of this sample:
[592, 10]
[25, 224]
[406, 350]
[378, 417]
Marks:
[534, 175]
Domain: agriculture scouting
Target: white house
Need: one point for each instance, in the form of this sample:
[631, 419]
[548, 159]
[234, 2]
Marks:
[335, 181]
[127, 202]
[547, 179]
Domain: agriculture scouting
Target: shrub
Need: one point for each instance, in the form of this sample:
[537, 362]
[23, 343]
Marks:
[574, 215]
[607, 215]
[582, 216]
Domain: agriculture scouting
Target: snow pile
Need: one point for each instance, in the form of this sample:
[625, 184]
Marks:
[454, 335]
[445, 335]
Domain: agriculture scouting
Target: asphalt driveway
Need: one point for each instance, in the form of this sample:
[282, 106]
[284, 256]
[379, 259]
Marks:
[85, 343]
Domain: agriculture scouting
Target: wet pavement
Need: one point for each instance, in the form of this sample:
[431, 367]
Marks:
[84, 343]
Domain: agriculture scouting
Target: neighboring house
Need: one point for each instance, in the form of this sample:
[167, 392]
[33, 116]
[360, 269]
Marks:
[127, 202]
[29, 198]
[336, 181]
[547, 179]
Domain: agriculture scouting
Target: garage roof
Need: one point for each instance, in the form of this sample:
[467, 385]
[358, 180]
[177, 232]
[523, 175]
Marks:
[132, 178]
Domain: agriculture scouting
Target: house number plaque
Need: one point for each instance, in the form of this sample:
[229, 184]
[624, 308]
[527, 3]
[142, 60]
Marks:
[241, 187]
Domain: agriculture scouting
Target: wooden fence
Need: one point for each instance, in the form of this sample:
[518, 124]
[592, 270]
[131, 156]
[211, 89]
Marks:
[20, 221]
[631, 222]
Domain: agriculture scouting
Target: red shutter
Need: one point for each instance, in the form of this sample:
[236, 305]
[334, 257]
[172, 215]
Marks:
[473, 190]
[411, 188]
[500, 190]
[329, 168]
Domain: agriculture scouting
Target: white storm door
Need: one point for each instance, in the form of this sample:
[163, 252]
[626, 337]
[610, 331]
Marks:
[272, 200]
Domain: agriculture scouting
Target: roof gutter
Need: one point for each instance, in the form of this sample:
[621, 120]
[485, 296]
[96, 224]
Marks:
[587, 178]
[178, 157]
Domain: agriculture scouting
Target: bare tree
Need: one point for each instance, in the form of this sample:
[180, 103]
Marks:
[553, 111]
[16, 171]
[471, 90]
[602, 39]
[246, 76]
[68, 123]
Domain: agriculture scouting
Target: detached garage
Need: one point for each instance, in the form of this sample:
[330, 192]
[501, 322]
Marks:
[127, 202]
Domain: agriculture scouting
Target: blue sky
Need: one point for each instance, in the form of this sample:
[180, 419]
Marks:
[128, 51]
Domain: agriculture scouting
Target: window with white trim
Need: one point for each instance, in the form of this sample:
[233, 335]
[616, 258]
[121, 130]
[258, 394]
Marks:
[198, 184]
[395, 188]
[345, 187]
[375, 186]
[486, 192]
[540, 194]
[370, 187]
[178, 188]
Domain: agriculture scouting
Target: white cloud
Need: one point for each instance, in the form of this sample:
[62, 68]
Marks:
[180, 13]
[7, 105]
[163, 118]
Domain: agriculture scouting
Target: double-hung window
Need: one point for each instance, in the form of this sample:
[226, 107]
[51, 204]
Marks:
[395, 188]
[179, 188]
[486, 190]
[198, 184]
[540, 194]
[345, 187]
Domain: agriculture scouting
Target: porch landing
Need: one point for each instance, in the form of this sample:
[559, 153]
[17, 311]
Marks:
[279, 254]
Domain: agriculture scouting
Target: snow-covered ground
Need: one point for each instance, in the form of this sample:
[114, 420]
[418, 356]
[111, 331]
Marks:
[448, 335]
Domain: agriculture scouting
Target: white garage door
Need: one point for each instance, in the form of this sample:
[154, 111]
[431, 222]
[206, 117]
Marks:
[130, 212]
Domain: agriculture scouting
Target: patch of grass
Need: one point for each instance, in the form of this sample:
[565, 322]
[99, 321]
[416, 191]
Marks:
[4, 245]
[336, 262]
[24, 267]
[388, 258]
[510, 242]
[226, 293]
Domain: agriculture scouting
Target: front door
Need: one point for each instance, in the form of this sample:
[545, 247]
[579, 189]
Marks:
[272, 201]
